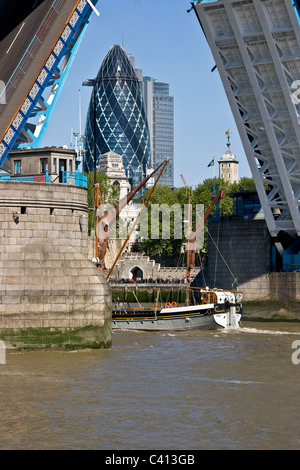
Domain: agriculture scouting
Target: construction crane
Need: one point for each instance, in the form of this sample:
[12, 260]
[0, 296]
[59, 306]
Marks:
[184, 181]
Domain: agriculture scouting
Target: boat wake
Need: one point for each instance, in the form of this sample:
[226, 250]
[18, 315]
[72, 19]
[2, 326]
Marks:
[265, 332]
[231, 381]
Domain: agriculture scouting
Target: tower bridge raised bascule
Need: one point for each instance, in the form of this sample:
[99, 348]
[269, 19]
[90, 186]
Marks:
[38, 42]
[256, 48]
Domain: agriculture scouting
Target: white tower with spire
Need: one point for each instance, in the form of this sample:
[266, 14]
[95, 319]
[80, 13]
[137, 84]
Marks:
[228, 164]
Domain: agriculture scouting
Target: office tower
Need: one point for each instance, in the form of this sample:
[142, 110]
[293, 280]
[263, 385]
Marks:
[256, 48]
[118, 118]
[160, 114]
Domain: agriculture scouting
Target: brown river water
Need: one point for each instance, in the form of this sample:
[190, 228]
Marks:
[226, 389]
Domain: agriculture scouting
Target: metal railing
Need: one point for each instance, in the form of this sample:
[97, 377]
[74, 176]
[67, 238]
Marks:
[67, 177]
[31, 179]
[74, 177]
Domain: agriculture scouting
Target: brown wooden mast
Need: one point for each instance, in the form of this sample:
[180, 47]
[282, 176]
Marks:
[191, 246]
[188, 258]
[109, 217]
[136, 220]
[196, 232]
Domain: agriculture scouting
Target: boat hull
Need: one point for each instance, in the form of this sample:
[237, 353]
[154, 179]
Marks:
[171, 324]
[173, 319]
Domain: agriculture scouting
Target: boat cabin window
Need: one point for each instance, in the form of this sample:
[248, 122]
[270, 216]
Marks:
[208, 297]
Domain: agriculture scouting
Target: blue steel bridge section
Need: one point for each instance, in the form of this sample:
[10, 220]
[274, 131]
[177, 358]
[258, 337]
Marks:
[29, 121]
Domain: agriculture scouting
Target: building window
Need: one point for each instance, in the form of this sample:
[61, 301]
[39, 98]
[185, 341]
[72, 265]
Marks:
[70, 165]
[116, 184]
[44, 165]
[54, 166]
[18, 167]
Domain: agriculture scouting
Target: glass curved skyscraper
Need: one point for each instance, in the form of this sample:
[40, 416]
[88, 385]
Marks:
[119, 121]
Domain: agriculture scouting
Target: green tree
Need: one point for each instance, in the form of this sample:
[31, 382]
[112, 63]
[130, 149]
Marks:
[226, 204]
[162, 195]
[203, 193]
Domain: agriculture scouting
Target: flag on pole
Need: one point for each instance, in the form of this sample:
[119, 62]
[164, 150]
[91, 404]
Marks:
[212, 163]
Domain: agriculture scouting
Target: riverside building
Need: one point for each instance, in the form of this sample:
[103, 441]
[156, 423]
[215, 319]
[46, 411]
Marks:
[228, 164]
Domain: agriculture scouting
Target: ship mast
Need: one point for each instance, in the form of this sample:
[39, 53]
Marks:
[192, 237]
[136, 220]
[109, 216]
[188, 264]
[97, 198]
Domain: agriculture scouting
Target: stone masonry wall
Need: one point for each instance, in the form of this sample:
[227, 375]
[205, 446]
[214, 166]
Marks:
[42, 211]
[239, 252]
[239, 257]
[46, 278]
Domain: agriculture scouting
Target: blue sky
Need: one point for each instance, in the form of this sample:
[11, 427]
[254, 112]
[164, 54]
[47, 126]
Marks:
[168, 44]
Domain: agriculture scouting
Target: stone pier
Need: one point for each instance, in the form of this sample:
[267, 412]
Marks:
[239, 258]
[51, 295]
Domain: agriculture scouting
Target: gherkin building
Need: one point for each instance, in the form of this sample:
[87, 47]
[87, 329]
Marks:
[119, 122]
